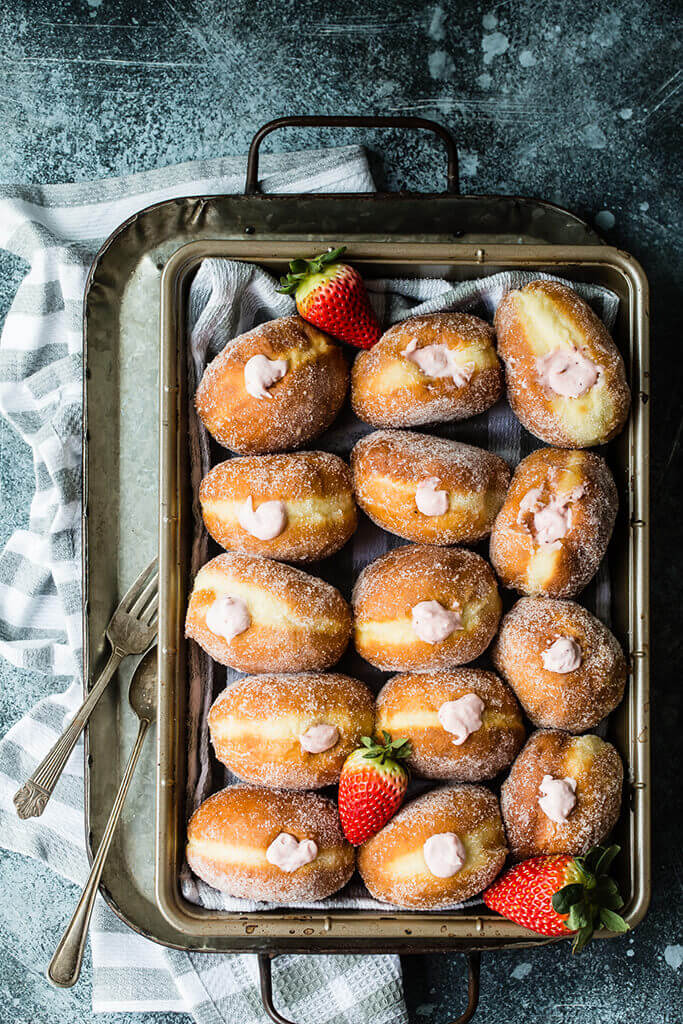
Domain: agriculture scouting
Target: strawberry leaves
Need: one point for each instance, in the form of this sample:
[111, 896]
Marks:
[394, 750]
[300, 269]
[593, 900]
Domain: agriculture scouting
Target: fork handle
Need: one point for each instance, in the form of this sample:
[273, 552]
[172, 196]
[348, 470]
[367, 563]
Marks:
[65, 966]
[31, 800]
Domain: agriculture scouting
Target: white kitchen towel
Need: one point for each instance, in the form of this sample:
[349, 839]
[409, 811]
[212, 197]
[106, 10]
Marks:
[57, 229]
[228, 297]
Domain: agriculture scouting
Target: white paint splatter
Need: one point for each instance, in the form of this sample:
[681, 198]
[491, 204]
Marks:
[95, 3]
[593, 136]
[425, 1009]
[485, 80]
[630, 952]
[521, 970]
[626, 114]
[441, 65]
[489, 21]
[385, 88]
[644, 207]
[527, 59]
[469, 163]
[605, 220]
[494, 45]
[437, 26]
[674, 956]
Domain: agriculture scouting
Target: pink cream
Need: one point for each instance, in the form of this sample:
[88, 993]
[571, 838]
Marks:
[461, 717]
[557, 798]
[438, 361]
[563, 655]
[266, 521]
[319, 738]
[552, 521]
[434, 623]
[228, 617]
[567, 372]
[260, 373]
[289, 853]
[444, 854]
[429, 501]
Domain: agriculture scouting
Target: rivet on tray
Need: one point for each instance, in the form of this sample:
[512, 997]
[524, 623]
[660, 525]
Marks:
[638, 654]
[479, 925]
[637, 522]
[480, 254]
[327, 924]
[249, 229]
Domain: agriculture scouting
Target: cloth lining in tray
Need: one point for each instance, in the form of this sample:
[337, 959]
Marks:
[228, 297]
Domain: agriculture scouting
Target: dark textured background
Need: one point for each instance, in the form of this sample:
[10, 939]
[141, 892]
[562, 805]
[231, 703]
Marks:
[571, 100]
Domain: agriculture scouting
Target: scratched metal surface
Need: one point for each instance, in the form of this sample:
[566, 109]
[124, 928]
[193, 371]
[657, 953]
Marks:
[577, 102]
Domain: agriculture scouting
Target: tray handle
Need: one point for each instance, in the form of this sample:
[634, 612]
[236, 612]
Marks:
[266, 985]
[319, 121]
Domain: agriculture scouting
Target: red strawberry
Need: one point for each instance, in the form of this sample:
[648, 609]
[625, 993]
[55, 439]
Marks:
[561, 894]
[372, 786]
[332, 296]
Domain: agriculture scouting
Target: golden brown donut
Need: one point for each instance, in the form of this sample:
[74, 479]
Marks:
[230, 841]
[242, 412]
[418, 608]
[463, 725]
[257, 615]
[309, 510]
[578, 779]
[427, 489]
[555, 524]
[398, 863]
[565, 666]
[290, 731]
[460, 374]
[565, 377]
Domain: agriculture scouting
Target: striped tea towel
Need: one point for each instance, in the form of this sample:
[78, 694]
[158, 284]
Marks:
[57, 229]
[228, 297]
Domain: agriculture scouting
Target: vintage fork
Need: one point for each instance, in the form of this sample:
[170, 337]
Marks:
[131, 630]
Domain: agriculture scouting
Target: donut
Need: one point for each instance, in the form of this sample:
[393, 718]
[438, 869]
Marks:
[563, 794]
[565, 666]
[419, 608]
[297, 507]
[427, 369]
[274, 388]
[463, 725]
[437, 851]
[257, 615]
[290, 731]
[427, 489]
[267, 844]
[565, 377]
[555, 524]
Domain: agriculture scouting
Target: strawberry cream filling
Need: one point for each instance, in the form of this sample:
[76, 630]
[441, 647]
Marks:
[563, 655]
[438, 361]
[266, 521]
[228, 617]
[429, 501]
[434, 623]
[444, 854]
[557, 798]
[461, 717]
[260, 373]
[319, 738]
[289, 853]
[567, 372]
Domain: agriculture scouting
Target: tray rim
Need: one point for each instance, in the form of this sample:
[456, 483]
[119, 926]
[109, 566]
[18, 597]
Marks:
[471, 929]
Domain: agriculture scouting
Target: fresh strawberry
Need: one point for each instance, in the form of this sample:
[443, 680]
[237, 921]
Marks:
[332, 296]
[559, 895]
[372, 786]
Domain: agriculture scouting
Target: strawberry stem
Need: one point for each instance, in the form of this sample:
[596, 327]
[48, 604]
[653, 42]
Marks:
[300, 269]
[592, 901]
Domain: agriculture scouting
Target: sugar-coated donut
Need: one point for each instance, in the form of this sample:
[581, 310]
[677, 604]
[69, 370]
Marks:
[555, 524]
[428, 489]
[463, 725]
[563, 794]
[297, 507]
[257, 615]
[290, 731]
[427, 369]
[437, 851]
[565, 666]
[265, 844]
[565, 377]
[274, 388]
[419, 608]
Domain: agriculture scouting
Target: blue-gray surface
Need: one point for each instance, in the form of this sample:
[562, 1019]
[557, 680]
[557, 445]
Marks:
[572, 100]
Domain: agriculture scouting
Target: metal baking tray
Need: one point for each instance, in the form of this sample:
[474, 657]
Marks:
[463, 235]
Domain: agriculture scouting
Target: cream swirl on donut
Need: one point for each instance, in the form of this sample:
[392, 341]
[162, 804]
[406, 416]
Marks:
[444, 854]
[289, 853]
[434, 623]
[563, 655]
[265, 522]
[228, 617]
[438, 361]
[429, 501]
[557, 798]
[319, 738]
[550, 521]
[260, 373]
[461, 717]
[567, 372]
